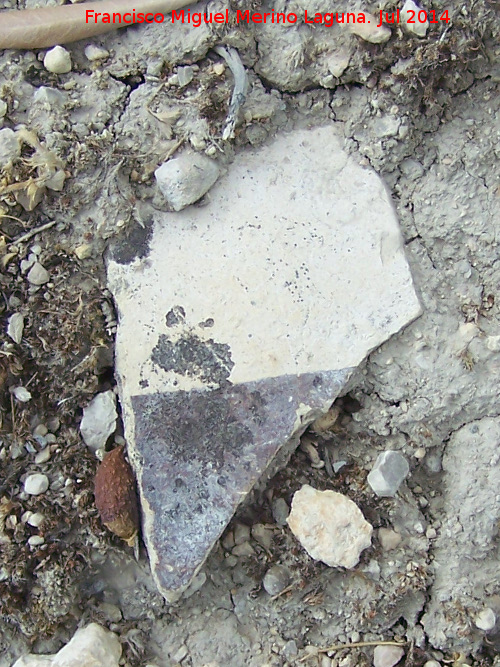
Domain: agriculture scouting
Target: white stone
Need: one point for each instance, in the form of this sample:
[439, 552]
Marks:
[36, 541]
[99, 420]
[388, 473]
[432, 663]
[92, 646]
[43, 456]
[57, 60]
[260, 303]
[22, 394]
[369, 30]
[389, 539]
[94, 53]
[411, 11]
[10, 148]
[38, 275]
[485, 620]
[185, 179]
[387, 656]
[36, 484]
[15, 327]
[36, 519]
[330, 526]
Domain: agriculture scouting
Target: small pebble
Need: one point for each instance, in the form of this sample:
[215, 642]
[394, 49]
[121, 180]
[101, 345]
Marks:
[36, 520]
[36, 541]
[36, 484]
[184, 75]
[369, 30]
[276, 579]
[57, 60]
[280, 511]
[411, 11]
[43, 456]
[387, 656]
[243, 550]
[231, 561]
[53, 424]
[15, 327]
[388, 473]
[263, 535]
[389, 539]
[111, 612]
[185, 179]
[94, 52]
[83, 251]
[485, 620]
[22, 394]
[241, 533]
[38, 275]
[42, 441]
[432, 663]
[41, 429]
[228, 541]
[99, 420]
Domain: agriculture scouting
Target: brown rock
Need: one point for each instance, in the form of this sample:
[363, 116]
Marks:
[115, 496]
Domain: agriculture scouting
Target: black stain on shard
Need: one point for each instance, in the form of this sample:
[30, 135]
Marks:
[201, 452]
[191, 356]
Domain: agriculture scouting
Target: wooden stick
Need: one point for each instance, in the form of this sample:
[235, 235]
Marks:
[48, 26]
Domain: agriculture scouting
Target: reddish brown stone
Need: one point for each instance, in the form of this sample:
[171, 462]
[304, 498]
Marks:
[115, 496]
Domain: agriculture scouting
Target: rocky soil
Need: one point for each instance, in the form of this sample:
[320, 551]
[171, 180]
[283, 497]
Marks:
[424, 113]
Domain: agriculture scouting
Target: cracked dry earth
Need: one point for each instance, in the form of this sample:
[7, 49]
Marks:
[425, 115]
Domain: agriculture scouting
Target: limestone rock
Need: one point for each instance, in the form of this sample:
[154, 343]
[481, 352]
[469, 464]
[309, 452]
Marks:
[99, 420]
[240, 322]
[185, 179]
[90, 646]
[330, 526]
[57, 60]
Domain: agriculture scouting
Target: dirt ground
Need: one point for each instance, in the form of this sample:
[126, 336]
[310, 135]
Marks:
[424, 113]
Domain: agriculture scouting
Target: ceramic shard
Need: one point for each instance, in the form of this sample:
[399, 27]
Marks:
[240, 322]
